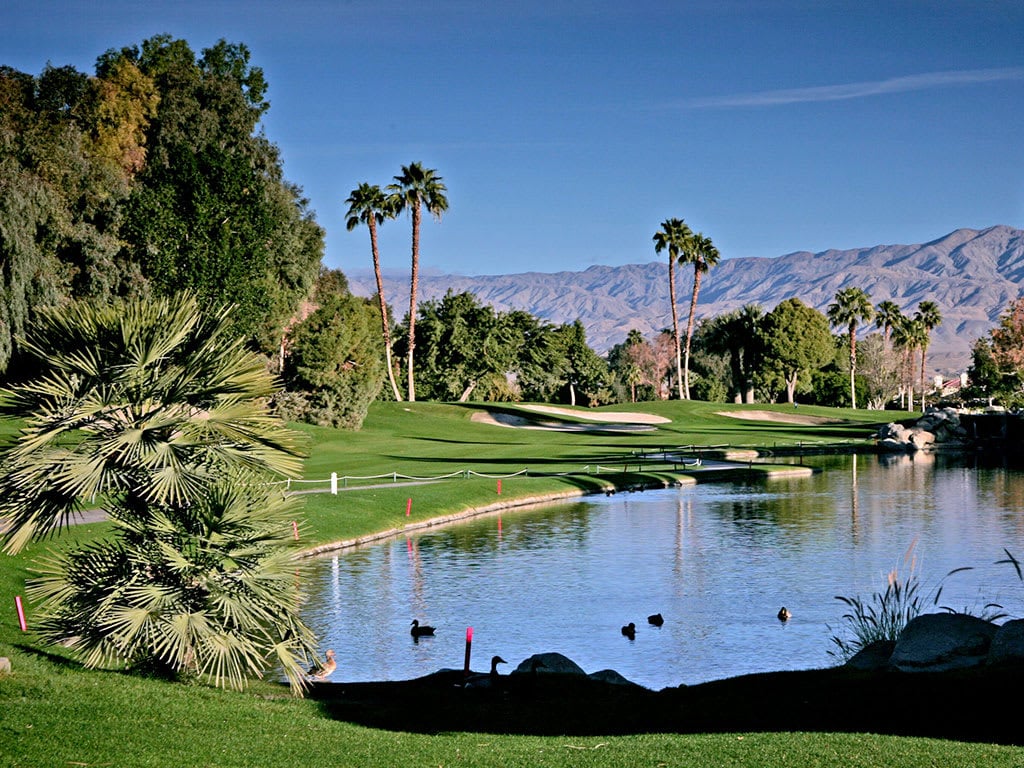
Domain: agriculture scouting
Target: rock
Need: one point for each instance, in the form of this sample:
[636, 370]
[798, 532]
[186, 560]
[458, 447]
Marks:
[5, 666]
[549, 663]
[610, 676]
[1008, 643]
[921, 439]
[941, 641]
[935, 428]
[873, 657]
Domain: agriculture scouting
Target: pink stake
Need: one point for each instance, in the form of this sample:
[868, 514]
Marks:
[469, 644]
[408, 507]
[21, 613]
[295, 529]
[499, 487]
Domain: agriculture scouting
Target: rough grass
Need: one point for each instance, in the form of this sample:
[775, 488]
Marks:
[54, 713]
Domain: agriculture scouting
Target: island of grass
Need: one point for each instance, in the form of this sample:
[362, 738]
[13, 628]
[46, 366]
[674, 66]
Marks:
[53, 712]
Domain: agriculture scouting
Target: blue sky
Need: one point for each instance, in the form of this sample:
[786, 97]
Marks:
[566, 132]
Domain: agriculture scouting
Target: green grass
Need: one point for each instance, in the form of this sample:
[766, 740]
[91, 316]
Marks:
[53, 713]
[429, 440]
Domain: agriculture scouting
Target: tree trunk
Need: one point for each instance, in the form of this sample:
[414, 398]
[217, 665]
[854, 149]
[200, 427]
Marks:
[464, 397]
[924, 353]
[414, 282]
[853, 365]
[791, 389]
[675, 323]
[385, 325]
[689, 329]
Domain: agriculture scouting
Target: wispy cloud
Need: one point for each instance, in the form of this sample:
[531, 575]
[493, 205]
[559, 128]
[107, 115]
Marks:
[922, 82]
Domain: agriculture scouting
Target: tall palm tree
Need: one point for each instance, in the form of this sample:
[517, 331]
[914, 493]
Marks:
[908, 335]
[700, 252]
[887, 315]
[367, 204]
[851, 306]
[417, 187]
[929, 316]
[673, 237]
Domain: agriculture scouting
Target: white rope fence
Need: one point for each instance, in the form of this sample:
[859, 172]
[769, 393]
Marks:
[336, 481]
[342, 481]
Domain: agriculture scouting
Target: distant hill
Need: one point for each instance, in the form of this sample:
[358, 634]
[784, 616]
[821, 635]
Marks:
[971, 274]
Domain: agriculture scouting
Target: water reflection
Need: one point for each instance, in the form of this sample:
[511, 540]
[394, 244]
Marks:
[717, 561]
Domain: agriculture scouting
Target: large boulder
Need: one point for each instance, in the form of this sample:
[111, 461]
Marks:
[610, 676]
[1008, 643]
[936, 428]
[873, 657]
[549, 663]
[941, 641]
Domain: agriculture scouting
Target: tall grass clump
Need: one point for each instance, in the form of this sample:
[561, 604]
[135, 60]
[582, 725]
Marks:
[884, 615]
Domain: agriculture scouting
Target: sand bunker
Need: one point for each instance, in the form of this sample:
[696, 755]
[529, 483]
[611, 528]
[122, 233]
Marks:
[601, 421]
[782, 418]
[604, 416]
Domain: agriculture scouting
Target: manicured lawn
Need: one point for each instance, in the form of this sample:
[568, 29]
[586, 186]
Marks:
[53, 713]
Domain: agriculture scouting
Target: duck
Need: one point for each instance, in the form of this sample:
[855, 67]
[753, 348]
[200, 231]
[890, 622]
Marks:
[630, 631]
[322, 671]
[784, 614]
[656, 619]
[490, 680]
[421, 630]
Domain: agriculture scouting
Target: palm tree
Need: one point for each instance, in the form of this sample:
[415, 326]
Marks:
[367, 204]
[673, 236]
[851, 306]
[155, 411]
[702, 253]
[887, 315]
[929, 316]
[908, 335]
[416, 188]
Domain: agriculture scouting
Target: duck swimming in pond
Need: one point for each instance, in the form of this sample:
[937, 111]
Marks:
[784, 614]
[419, 630]
[655, 619]
[630, 631]
[322, 671]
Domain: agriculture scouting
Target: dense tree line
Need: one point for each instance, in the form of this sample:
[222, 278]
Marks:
[144, 178]
[749, 355]
[997, 367]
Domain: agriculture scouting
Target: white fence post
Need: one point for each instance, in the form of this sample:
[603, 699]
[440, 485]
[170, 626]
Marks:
[334, 483]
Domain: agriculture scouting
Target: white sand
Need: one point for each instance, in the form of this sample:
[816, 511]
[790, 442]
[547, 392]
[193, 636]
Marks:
[783, 418]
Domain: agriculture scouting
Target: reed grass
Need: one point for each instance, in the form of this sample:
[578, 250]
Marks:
[884, 615]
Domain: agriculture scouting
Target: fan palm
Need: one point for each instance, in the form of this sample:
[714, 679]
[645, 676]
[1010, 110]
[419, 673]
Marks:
[369, 205]
[152, 408]
[851, 306]
[929, 316]
[887, 315]
[208, 591]
[416, 188]
[674, 236]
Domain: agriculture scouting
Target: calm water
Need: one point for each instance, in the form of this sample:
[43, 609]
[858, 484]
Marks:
[718, 561]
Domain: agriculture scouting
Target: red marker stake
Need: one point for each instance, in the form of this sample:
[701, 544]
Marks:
[408, 507]
[469, 644]
[295, 529]
[499, 487]
[24, 627]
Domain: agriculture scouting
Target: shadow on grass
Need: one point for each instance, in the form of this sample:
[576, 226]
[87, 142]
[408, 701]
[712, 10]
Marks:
[965, 705]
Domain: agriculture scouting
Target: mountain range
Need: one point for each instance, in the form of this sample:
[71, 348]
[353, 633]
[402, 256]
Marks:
[972, 275]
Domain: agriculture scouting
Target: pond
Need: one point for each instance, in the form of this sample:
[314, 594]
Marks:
[718, 561]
